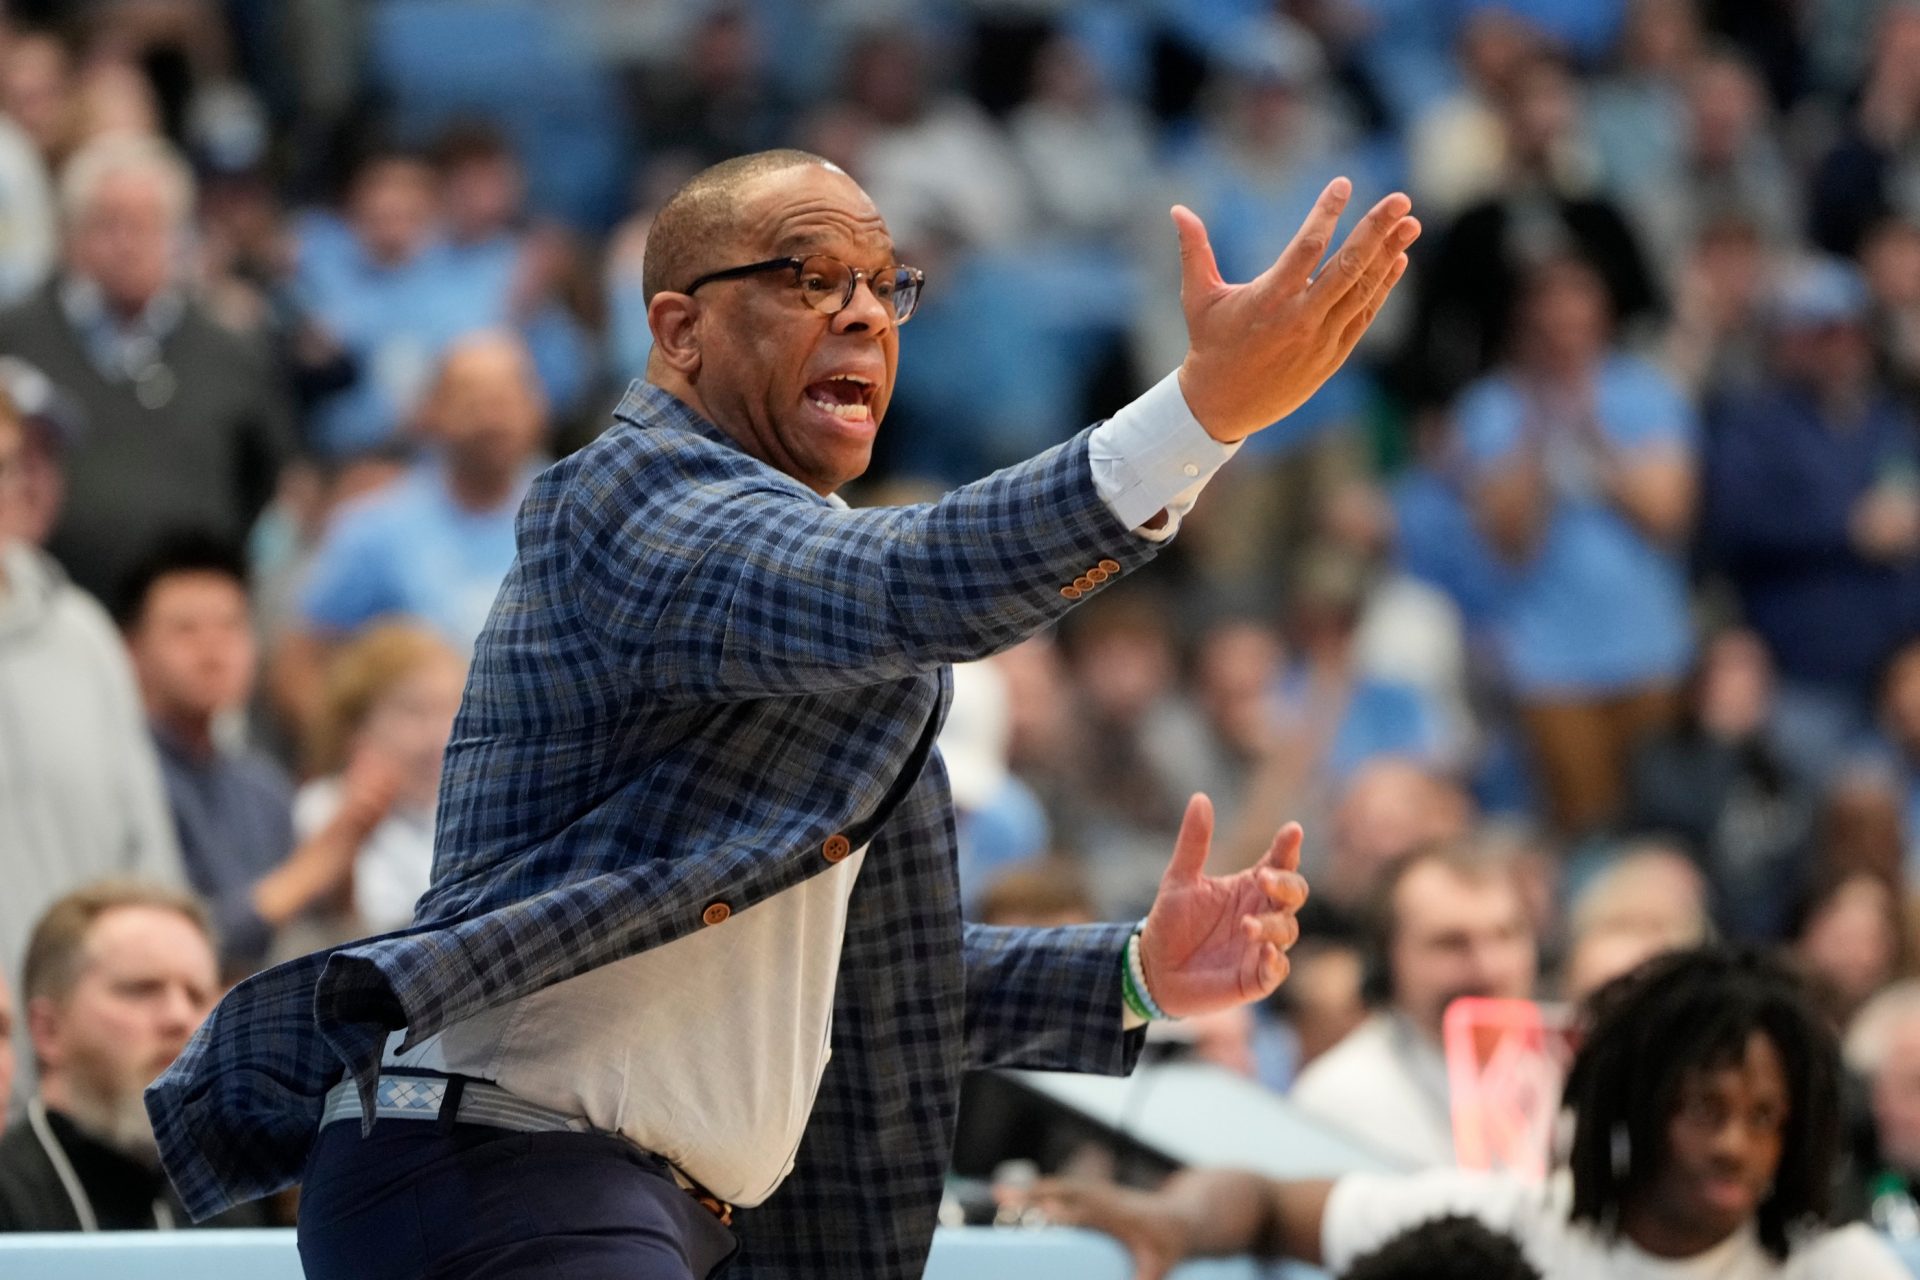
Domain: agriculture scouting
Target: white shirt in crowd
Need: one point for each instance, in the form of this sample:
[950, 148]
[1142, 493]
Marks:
[722, 1089]
[1386, 1084]
[1367, 1210]
[394, 865]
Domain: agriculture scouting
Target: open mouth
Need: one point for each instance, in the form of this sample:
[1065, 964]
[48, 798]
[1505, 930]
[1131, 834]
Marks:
[846, 396]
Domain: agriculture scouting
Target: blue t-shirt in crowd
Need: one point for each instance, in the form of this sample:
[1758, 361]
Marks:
[1600, 608]
[1437, 541]
[410, 549]
[1381, 718]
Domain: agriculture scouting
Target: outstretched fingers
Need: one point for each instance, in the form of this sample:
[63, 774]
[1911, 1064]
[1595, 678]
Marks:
[1370, 244]
[1293, 269]
[1358, 323]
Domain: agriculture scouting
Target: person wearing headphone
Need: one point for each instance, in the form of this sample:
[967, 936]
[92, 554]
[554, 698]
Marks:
[1446, 922]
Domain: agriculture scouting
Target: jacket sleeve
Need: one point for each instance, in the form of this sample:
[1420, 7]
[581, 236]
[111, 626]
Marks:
[1048, 999]
[741, 585]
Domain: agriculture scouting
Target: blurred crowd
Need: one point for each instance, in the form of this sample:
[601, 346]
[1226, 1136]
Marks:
[1577, 618]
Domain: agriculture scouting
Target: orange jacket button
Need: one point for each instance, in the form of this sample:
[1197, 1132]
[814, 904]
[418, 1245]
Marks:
[1097, 575]
[1083, 584]
[717, 913]
[836, 848]
[1072, 593]
[1111, 566]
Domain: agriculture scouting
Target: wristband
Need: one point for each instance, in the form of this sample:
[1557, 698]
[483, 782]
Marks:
[1133, 986]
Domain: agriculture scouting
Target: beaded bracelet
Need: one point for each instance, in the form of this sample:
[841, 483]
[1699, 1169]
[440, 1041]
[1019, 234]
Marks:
[1133, 985]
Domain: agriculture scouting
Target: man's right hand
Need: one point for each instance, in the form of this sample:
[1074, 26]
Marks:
[1257, 351]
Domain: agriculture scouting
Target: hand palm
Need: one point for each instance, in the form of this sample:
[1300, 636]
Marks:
[1212, 942]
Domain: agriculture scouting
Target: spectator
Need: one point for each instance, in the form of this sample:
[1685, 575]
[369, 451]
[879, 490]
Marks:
[1648, 901]
[1727, 163]
[716, 99]
[1449, 922]
[1869, 172]
[1637, 110]
[1705, 1103]
[1851, 934]
[1458, 149]
[80, 792]
[436, 546]
[50, 422]
[184, 423]
[1453, 1247]
[1115, 803]
[1721, 784]
[1087, 151]
[933, 161]
[1883, 1047]
[1716, 345]
[390, 695]
[1216, 740]
[1473, 280]
[1390, 808]
[519, 272]
[1582, 477]
[1890, 261]
[36, 92]
[379, 288]
[27, 226]
[1811, 510]
[185, 615]
[119, 975]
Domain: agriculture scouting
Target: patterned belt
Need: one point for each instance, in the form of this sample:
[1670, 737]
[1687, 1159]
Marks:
[425, 1097]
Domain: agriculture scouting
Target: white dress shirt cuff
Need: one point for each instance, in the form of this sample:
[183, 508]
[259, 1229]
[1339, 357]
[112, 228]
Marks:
[1154, 456]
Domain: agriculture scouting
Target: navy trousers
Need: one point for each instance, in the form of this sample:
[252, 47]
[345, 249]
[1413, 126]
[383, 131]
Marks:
[410, 1201]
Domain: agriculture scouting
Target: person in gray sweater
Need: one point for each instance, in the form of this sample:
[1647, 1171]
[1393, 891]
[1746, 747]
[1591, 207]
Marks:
[80, 791]
[185, 422]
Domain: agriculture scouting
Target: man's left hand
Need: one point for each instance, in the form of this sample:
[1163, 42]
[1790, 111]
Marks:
[1212, 942]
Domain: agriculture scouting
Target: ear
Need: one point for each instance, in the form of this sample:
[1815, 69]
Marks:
[45, 1031]
[674, 317]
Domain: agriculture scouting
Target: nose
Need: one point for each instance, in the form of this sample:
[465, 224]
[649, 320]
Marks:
[864, 311]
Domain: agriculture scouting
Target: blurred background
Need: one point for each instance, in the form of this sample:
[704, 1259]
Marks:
[1577, 617]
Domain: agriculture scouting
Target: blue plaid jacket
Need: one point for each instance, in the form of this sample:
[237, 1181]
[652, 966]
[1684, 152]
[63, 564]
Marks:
[697, 672]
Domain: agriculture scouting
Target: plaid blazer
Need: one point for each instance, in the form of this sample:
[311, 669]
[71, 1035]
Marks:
[697, 672]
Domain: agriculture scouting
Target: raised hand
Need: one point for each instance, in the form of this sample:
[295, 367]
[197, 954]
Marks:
[1212, 942]
[1256, 351]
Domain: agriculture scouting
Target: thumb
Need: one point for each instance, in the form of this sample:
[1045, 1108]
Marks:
[1191, 845]
[1199, 273]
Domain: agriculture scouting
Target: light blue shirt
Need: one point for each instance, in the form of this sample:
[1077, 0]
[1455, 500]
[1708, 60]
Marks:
[1599, 608]
[411, 550]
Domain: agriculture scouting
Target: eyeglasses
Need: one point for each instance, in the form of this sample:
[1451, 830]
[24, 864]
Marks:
[828, 283]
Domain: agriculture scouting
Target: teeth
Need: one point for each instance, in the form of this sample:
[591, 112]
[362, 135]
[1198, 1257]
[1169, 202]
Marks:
[850, 412]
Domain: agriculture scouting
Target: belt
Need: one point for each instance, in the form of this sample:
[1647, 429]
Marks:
[458, 1099]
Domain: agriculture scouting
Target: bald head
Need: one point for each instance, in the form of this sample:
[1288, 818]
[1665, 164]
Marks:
[486, 410]
[703, 217]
